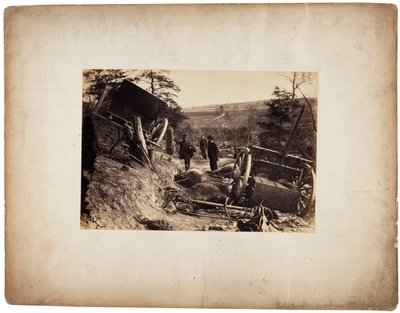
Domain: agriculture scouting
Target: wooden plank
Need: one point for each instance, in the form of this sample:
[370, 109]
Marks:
[100, 102]
[274, 197]
[219, 205]
[108, 120]
[275, 171]
[138, 130]
[118, 119]
[277, 153]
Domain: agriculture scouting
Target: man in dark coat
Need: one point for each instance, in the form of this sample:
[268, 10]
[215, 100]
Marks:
[213, 153]
[186, 151]
[89, 141]
[203, 146]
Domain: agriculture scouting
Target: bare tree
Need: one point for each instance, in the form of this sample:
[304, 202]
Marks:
[252, 124]
[283, 111]
[297, 80]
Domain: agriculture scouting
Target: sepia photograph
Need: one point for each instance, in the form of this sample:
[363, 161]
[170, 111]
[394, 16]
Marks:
[199, 150]
[229, 156]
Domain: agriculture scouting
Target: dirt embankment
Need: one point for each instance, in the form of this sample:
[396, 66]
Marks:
[133, 197]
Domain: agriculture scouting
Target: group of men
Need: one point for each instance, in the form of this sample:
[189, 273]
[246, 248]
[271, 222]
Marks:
[207, 147]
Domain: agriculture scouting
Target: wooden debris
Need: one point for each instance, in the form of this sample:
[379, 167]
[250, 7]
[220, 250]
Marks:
[206, 215]
[219, 205]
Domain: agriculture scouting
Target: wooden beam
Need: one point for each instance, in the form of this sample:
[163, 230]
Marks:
[270, 166]
[290, 156]
[100, 102]
[220, 205]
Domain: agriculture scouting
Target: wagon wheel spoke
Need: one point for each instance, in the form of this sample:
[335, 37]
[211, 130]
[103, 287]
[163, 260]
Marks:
[237, 167]
[158, 131]
[240, 175]
[305, 196]
[305, 187]
[239, 163]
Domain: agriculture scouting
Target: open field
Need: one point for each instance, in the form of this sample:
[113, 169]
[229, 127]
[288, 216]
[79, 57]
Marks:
[238, 114]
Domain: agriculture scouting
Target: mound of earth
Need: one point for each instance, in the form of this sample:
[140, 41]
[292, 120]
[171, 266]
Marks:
[122, 196]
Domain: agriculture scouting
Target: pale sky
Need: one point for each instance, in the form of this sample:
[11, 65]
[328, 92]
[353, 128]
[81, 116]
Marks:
[218, 87]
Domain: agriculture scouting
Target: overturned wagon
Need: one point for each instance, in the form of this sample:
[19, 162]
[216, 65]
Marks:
[275, 179]
[129, 109]
[271, 183]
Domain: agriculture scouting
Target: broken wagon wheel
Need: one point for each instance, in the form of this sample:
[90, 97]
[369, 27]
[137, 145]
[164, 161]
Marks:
[305, 186]
[158, 131]
[240, 174]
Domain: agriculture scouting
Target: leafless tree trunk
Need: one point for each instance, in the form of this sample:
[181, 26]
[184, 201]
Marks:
[297, 80]
[311, 110]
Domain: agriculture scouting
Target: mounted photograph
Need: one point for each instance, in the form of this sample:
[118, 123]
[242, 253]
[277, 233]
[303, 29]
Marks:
[199, 150]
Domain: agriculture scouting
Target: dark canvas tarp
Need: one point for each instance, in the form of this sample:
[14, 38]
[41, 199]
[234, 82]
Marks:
[131, 100]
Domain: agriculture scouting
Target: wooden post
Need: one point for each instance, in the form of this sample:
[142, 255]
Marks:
[138, 131]
[150, 150]
[170, 141]
[219, 205]
[100, 102]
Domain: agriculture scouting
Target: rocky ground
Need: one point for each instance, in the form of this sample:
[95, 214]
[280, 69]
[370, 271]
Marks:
[125, 195]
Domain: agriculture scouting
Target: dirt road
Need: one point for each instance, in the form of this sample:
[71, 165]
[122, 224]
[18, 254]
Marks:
[204, 164]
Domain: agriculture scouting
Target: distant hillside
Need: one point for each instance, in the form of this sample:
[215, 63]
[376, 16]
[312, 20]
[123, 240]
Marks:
[260, 104]
[240, 113]
[221, 115]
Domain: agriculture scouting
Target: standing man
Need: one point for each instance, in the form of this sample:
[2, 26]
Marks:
[203, 146]
[186, 151]
[213, 153]
[89, 143]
